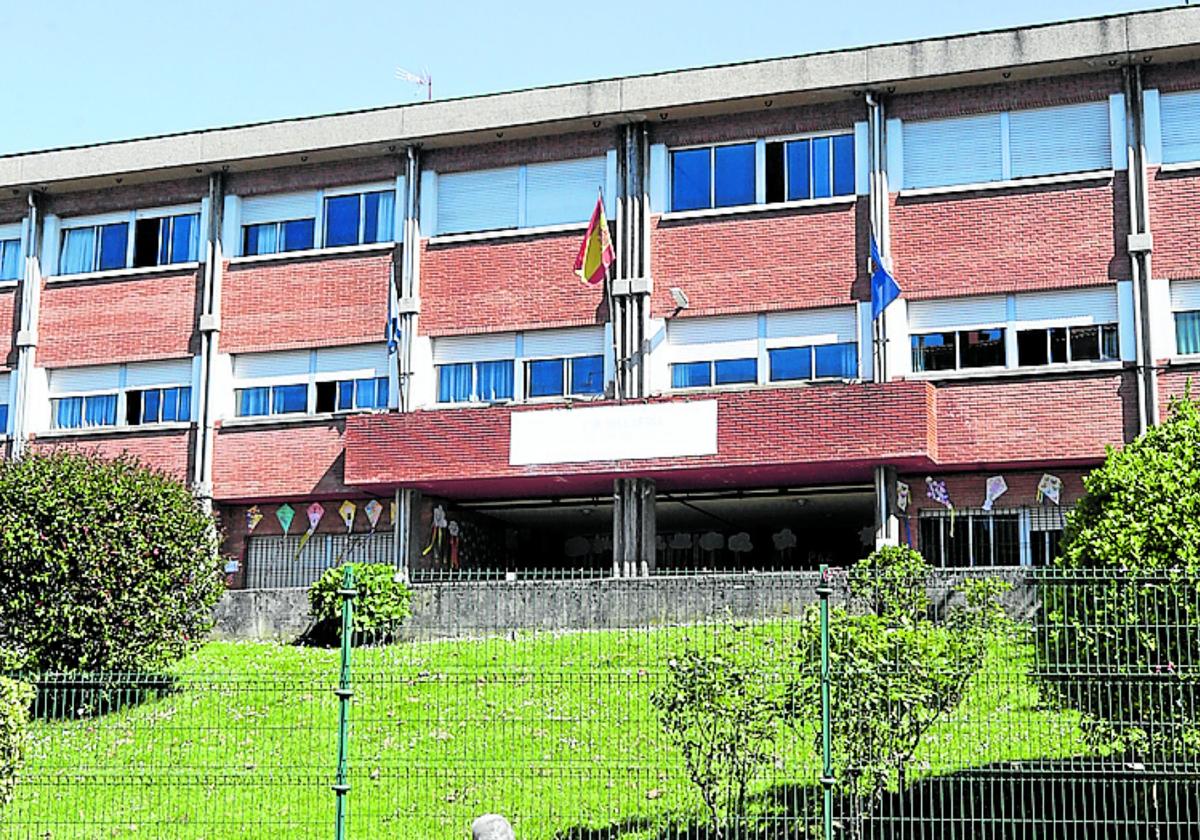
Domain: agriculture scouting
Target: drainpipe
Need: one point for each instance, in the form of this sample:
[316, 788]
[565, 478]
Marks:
[406, 297]
[1140, 244]
[210, 332]
[31, 290]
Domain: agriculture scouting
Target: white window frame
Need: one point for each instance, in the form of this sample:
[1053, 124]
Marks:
[309, 379]
[361, 191]
[958, 330]
[396, 187]
[122, 391]
[568, 363]
[9, 233]
[130, 218]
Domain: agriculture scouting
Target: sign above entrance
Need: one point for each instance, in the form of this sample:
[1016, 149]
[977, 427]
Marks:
[613, 433]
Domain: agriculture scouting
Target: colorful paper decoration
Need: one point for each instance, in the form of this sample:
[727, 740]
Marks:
[253, 517]
[347, 511]
[314, 512]
[1050, 487]
[436, 533]
[903, 494]
[996, 487]
[936, 490]
[453, 529]
[373, 511]
[285, 513]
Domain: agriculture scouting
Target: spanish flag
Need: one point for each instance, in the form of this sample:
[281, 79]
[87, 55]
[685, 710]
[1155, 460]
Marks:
[596, 252]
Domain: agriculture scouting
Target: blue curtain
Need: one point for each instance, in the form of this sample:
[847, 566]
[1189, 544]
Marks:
[100, 410]
[1187, 333]
[183, 239]
[10, 259]
[837, 360]
[691, 375]
[254, 402]
[454, 383]
[261, 239]
[78, 251]
[3, 419]
[495, 380]
[380, 217]
[68, 412]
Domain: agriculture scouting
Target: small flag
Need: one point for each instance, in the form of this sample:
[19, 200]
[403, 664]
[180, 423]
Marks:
[596, 252]
[391, 331]
[884, 288]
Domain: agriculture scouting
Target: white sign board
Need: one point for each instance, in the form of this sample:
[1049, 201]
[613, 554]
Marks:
[613, 433]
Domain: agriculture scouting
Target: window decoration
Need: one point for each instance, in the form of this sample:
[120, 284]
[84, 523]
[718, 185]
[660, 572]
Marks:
[285, 513]
[903, 495]
[995, 488]
[1049, 487]
[314, 512]
[936, 490]
[253, 517]
[373, 510]
[347, 511]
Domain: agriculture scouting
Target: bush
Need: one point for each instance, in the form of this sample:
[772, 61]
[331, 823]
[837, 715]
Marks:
[1119, 633]
[104, 565]
[380, 608]
[15, 698]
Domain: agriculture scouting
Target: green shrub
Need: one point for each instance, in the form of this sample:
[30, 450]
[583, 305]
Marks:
[15, 698]
[1119, 632]
[380, 608]
[104, 565]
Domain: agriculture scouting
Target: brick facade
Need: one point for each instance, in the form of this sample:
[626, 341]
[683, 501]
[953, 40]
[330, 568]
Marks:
[279, 461]
[168, 450]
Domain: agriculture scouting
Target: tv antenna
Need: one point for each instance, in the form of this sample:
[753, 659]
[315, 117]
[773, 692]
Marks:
[422, 80]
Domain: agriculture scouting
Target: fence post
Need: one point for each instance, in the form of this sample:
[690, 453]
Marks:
[344, 692]
[824, 590]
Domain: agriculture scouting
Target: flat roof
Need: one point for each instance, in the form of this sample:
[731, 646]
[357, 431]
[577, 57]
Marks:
[1076, 46]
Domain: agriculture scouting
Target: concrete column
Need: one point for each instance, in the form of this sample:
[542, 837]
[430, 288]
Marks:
[887, 526]
[1140, 244]
[634, 527]
[210, 333]
[27, 327]
[629, 300]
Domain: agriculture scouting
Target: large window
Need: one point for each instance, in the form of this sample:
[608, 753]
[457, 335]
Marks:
[10, 259]
[108, 246]
[822, 361]
[94, 248]
[490, 381]
[166, 240]
[278, 237]
[134, 394]
[815, 167]
[1180, 117]
[717, 372]
[321, 381]
[359, 218]
[158, 405]
[957, 350]
[977, 538]
[581, 376]
[1063, 345]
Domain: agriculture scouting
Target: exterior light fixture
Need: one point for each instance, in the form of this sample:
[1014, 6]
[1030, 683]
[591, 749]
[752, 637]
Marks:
[681, 300]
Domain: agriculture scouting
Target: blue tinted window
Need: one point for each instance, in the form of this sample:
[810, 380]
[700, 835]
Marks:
[371, 393]
[151, 406]
[837, 361]
[341, 220]
[68, 413]
[183, 239]
[261, 239]
[691, 179]
[345, 395]
[1187, 333]
[821, 182]
[100, 410]
[298, 235]
[691, 375]
[289, 399]
[170, 400]
[843, 164]
[546, 378]
[454, 382]
[3, 419]
[732, 371]
[381, 392]
[114, 241]
[378, 212]
[790, 363]
[799, 185]
[10, 261]
[734, 183]
[494, 380]
[253, 402]
[587, 375]
[185, 403]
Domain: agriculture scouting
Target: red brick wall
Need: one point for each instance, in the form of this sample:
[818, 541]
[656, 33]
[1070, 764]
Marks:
[129, 318]
[314, 176]
[1035, 93]
[1184, 75]
[168, 450]
[9, 323]
[279, 461]
[525, 150]
[1047, 237]
[1175, 383]
[1174, 199]
[128, 197]
[313, 301]
[786, 259]
[505, 284]
[761, 122]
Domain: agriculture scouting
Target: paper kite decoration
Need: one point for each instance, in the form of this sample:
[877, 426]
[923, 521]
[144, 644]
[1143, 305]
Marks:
[936, 490]
[347, 511]
[996, 487]
[285, 513]
[373, 511]
[253, 517]
[903, 494]
[1050, 487]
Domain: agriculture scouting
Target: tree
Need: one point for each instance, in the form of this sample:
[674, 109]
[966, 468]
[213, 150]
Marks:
[1119, 629]
[104, 565]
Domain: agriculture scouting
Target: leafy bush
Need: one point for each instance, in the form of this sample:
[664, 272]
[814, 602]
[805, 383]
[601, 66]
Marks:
[1119, 631]
[380, 608]
[104, 565]
[15, 698]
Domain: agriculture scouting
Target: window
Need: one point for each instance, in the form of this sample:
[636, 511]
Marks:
[84, 412]
[133, 394]
[556, 377]
[720, 372]
[830, 361]
[4, 417]
[814, 167]
[490, 381]
[278, 237]
[961, 349]
[140, 240]
[1062, 345]
[714, 176]
[1187, 333]
[978, 538]
[94, 248]
[321, 381]
[1180, 117]
[359, 219]
[166, 240]
[158, 405]
[1045, 534]
[10, 259]
[351, 394]
[262, 400]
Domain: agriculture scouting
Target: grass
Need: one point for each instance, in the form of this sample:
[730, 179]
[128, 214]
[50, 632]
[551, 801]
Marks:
[555, 731]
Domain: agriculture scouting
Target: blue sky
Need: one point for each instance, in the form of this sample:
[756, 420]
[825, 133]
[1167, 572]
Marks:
[83, 72]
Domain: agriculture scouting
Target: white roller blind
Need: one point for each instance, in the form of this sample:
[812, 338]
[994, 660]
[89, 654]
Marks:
[470, 201]
[834, 325]
[1093, 306]
[83, 379]
[474, 348]
[1180, 116]
[10, 231]
[580, 341]
[723, 337]
[279, 208]
[290, 363]
[1066, 138]
[1185, 295]
[954, 313]
[961, 150]
[564, 191]
[5, 381]
[158, 374]
[362, 360]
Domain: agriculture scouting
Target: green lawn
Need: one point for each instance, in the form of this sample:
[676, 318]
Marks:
[555, 731]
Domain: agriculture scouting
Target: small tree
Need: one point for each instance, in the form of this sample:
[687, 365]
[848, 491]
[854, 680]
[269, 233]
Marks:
[1119, 630]
[380, 608]
[895, 672]
[104, 565]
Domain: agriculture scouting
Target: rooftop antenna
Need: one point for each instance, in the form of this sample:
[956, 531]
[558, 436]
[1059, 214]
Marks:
[423, 80]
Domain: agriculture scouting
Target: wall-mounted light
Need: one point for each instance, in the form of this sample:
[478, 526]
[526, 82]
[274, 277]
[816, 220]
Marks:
[681, 300]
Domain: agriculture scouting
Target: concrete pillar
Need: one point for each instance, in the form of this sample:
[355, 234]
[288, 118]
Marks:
[634, 527]
[27, 327]
[630, 288]
[887, 526]
[210, 333]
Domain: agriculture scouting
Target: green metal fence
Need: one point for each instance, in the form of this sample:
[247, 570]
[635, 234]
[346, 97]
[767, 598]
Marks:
[799, 711]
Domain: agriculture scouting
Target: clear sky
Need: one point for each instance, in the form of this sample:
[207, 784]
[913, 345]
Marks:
[85, 71]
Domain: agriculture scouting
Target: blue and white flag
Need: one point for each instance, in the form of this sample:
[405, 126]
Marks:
[884, 288]
[391, 330]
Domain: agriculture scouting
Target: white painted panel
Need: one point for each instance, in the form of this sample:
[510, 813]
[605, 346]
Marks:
[470, 201]
[950, 313]
[961, 150]
[1065, 138]
[1179, 115]
[84, 379]
[710, 330]
[362, 359]
[474, 348]
[835, 324]
[1096, 305]
[577, 341]
[563, 191]
[5, 381]
[1185, 295]
[270, 365]
[153, 374]
[894, 141]
[611, 433]
[279, 208]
